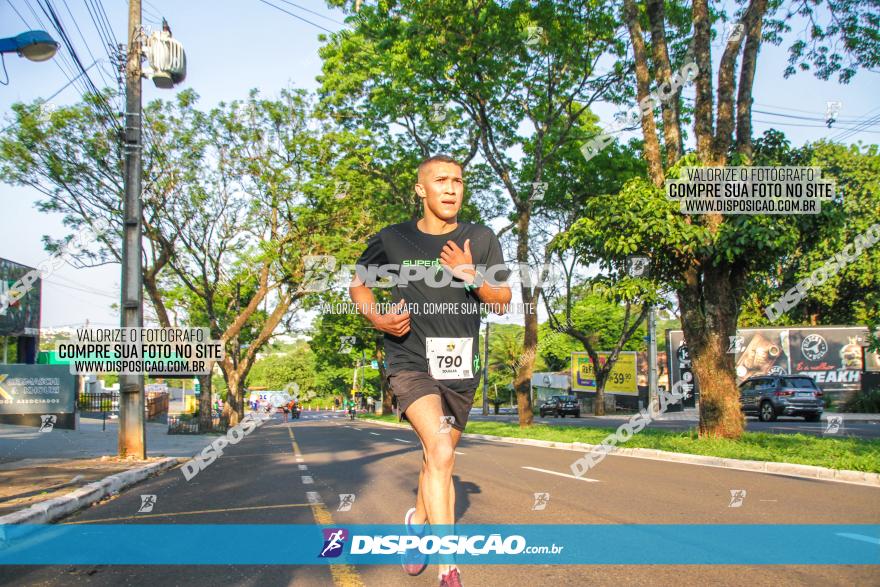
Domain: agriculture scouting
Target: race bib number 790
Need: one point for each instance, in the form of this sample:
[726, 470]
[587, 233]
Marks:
[450, 358]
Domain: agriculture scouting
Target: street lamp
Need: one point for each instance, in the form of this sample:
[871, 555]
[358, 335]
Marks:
[34, 45]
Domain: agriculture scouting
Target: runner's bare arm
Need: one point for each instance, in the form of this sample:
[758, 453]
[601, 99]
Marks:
[362, 296]
[497, 296]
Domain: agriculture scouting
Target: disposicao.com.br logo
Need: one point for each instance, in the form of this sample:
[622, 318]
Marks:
[476, 545]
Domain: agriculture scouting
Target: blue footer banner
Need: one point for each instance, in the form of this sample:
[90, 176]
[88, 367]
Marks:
[587, 544]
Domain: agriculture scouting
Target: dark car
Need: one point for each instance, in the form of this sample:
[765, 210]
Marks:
[560, 405]
[770, 396]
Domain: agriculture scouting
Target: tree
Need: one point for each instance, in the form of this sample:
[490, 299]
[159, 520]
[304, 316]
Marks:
[852, 296]
[707, 259]
[257, 202]
[72, 156]
[607, 319]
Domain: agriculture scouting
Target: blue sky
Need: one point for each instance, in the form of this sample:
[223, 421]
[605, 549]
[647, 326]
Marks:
[235, 45]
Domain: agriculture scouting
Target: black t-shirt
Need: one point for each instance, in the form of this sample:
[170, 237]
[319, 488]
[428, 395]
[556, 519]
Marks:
[445, 311]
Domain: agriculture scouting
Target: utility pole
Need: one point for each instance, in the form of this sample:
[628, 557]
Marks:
[486, 370]
[363, 373]
[652, 354]
[132, 441]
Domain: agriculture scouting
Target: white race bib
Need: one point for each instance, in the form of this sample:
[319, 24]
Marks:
[450, 358]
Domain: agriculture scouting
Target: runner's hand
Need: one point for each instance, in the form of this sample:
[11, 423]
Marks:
[395, 324]
[458, 261]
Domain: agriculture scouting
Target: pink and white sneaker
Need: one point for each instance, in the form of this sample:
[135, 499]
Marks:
[452, 578]
[413, 561]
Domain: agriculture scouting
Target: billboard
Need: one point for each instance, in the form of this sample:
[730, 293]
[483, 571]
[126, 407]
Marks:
[622, 380]
[22, 317]
[36, 389]
[830, 355]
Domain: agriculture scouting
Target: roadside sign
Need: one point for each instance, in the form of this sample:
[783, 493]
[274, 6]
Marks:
[622, 380]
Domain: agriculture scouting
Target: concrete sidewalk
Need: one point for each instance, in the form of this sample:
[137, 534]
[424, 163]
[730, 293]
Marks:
[49, 467]
[90, 441]
[30, 481]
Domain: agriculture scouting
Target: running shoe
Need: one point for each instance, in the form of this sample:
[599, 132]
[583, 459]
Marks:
[451, 578]
[413, 561]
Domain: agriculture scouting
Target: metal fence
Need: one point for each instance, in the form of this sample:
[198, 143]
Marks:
[190, 425]
[98, 402]
[156, 404]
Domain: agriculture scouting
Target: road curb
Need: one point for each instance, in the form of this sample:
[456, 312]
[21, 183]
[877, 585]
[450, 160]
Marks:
[769, 467]
[48, 511]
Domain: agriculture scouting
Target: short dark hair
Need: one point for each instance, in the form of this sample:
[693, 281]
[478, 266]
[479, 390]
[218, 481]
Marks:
[437, 158]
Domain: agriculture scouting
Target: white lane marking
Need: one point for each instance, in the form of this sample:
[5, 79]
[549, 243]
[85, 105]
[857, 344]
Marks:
[402, 440]
[299, 459]
[358, 429]
[313, 497]
[459, 453]
[302, 467]
[375, 434]
[868, 539]
[562, 474]
[307, 480]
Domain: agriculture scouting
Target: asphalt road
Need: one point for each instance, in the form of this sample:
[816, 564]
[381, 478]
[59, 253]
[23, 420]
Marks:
[855, 429]
[261, 480]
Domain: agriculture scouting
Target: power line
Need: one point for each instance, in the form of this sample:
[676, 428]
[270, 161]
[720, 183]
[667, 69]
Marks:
[82, 289]
[108, 40]
[81, 36]
[865, 120]
[788, 109]
[61, 57]
[296, 16]
[860, 128]
[313, 12]
[813, 118]
[49, 10]
[152, 7]
[103, 23]
[777, 123]
[61, 89]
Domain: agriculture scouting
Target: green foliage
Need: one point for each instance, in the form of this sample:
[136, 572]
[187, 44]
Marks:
[853, 295]
[837, 453]
[864, 402]
[841, 36]
[275, 371]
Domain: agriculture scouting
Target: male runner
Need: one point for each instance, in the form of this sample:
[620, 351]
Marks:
[431, 341]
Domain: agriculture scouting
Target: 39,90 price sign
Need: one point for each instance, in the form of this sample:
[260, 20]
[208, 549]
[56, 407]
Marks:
[621, 380]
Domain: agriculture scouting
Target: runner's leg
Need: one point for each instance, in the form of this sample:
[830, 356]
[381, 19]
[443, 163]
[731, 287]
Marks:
[421, 515]
[439, 457]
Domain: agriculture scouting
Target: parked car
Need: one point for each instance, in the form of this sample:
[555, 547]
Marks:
[560, 405]
[770, 396]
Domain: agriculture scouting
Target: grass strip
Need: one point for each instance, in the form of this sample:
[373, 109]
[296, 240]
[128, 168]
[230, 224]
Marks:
[853, 454]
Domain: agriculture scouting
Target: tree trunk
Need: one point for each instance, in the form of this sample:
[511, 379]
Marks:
[709, 315]
[156, 299]
[601, 379]
[651, 148]
[206, 420]
[522, 382]
[383, 382]
[233, 407]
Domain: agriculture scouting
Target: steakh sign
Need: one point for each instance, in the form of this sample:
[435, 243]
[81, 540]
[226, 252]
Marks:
[830, 355]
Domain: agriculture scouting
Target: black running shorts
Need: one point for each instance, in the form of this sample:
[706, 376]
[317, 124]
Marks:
[408, 386]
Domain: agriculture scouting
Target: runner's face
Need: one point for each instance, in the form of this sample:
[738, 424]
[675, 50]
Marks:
[442, 187]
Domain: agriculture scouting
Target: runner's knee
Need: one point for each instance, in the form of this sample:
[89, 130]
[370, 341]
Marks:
[440, 456]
